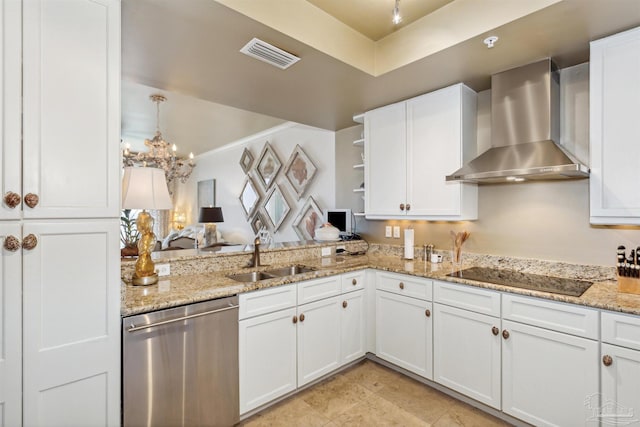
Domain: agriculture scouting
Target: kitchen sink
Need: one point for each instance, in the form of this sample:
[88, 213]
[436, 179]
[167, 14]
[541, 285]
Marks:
[256, 276]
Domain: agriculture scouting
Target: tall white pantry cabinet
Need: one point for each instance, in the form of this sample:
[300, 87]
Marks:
[60, 171]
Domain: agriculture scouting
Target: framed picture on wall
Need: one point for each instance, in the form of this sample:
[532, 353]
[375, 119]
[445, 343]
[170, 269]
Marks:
[309, 218]
[206, 193]
[246, 161]
[267, 167]
[299, 171]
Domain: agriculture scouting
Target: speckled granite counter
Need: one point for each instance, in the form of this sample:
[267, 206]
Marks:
[189, 288]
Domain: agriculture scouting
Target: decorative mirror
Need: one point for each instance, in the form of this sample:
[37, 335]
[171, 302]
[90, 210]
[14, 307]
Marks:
[276, 207]
[249, 197]
[268, 166]
[309, 218]
[259, 222]
[246, 161]
[299, 170]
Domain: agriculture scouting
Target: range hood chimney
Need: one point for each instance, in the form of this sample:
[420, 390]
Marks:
[525, 125]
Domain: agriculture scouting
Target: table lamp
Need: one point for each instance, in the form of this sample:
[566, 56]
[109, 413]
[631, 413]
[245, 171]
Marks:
[145, 188]
[209, 216]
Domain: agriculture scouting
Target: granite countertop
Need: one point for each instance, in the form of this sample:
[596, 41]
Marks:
[186, 289]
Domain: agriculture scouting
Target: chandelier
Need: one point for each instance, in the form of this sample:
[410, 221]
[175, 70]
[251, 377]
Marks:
[161, 154]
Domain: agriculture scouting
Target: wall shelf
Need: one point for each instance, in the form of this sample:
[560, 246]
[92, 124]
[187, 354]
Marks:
[358, 190]
[360, 166]
[359, 142]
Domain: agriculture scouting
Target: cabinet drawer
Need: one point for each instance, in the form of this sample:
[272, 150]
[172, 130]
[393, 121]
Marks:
[405, 285]
[266, 301]
[317, 289]
[353, 281]
[621, 329]
[557, 316]
[468, 298]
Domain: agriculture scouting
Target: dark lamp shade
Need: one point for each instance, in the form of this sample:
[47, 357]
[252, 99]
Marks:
[210, 215]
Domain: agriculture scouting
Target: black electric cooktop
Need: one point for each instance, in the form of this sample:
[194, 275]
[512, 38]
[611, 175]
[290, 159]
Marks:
[535, 282]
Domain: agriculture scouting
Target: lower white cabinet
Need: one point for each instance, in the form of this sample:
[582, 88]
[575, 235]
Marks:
[268, 354]
[352, 326]
[620, 382]
[548, 378]
[404, 334]
[467, 353]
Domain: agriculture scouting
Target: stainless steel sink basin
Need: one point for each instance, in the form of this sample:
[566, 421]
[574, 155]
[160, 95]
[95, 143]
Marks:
[290, 270]
[256, 276]
[253, 276]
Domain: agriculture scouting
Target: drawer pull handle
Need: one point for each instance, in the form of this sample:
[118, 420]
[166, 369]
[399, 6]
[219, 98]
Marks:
[11, 243]
[401, 206]
[607, 360]
[12, 199]
[354, 282]
[31, 200]
[495, 330]
[505, 334]
[302, 317]
[344, 304]
[30, 242]
[427, 313]
[408, 207]
[295, 319]
[401, 285]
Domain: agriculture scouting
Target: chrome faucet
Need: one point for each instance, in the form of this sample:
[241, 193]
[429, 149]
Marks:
[255, 260]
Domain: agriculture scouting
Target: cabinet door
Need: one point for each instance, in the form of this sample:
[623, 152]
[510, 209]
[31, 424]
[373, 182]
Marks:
[404, 334]
[10, 330]
[10, 104]
[267, 351]
[71, 71]
[318, 339]
[467, 353]
[352, 324]
[548, 377]
[71, 323]
[385, 158]
[614, 128]
[620, 385]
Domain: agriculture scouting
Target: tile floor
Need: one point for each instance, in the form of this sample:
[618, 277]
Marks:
[369, 394]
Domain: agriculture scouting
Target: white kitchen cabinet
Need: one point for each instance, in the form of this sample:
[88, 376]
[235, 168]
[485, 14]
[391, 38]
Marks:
[404, 334]
[10, 333]
[467, 353]
[268, 357]
[71, 108]
[620, 382]
[71, 323]
[614, 128]
[352, 326]
[548, 378]
[319, 335]
[411, 146]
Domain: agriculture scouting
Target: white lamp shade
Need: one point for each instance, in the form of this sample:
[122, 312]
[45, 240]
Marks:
[145, 188]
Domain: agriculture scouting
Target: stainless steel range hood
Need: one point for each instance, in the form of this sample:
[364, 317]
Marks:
[525, 124]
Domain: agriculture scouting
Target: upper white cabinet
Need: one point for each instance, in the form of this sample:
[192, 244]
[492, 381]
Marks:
[409, 149]
[614, 128]
[71, 134]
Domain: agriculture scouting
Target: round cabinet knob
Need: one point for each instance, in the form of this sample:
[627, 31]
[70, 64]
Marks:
[607, 360]
[505, 334]
[302, 317]
[344, 304]
[401, 206]
[495, 330]
[12, 199]
[408, 207]
[295, 319]
[401, 285]
[29, 242]
[11, 243]
[354, 282]
[427, 313]
[31, 200]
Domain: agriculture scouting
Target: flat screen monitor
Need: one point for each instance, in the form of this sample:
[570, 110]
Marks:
[339, 218]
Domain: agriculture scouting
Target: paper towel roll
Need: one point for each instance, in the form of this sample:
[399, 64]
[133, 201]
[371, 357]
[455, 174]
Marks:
[408, 243]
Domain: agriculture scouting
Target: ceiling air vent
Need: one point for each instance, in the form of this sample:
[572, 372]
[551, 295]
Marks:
[266, 52]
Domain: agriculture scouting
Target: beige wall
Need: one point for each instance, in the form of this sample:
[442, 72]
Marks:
[543, 220]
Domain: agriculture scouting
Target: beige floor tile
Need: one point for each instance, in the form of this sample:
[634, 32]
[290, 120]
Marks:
[461, 414]
[371, 375]
[377, 411]
[293, 412]
[335, 396]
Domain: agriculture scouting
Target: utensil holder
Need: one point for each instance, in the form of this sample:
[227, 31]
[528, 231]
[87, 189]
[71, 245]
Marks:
[629, 285]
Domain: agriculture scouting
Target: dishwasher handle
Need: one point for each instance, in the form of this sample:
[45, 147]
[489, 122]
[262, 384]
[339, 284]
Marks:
[134, 328]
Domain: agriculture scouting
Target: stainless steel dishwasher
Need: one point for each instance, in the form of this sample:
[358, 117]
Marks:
[180, 366]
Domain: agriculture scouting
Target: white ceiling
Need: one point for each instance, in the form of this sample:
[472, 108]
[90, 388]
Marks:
[188, 50]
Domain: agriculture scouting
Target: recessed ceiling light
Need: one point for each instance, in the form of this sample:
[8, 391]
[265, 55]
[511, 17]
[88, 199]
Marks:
[490, 41]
